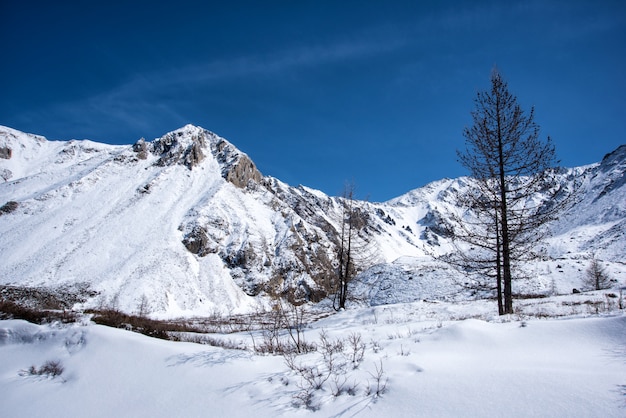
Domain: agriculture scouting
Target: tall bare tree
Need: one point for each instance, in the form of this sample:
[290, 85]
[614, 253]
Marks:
[510, 168]
[345, 267]
[355, 251]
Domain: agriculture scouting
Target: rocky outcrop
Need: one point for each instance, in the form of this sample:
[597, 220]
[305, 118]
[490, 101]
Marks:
[187, 146]
[613, 166]
[237, 168]
[179, 147]
[241, 173]
[8, 207]
[435, 225]
[141, 148]
[196, 241]
[5, 152]
[5, 174]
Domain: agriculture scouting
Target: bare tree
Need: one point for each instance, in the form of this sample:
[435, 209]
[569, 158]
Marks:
[345, 263]
[596, 276]
[512, 193]
[354, 249]
[143, 308]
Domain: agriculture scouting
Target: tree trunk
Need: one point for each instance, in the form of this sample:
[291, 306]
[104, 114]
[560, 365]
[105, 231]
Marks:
[506, 251]
[499, 269]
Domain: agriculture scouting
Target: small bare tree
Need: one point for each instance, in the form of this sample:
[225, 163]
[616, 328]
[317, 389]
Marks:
[143, 308]
[596, 276]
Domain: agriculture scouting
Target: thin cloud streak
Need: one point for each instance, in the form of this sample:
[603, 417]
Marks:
[135, 104]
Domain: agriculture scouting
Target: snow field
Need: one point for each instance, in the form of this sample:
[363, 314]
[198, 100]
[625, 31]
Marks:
[428, 366]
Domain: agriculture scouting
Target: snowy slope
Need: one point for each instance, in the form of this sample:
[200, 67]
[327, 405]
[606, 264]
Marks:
[597, 223]
[101, 217]
[592, 225]
[430, 367]
[188, 223]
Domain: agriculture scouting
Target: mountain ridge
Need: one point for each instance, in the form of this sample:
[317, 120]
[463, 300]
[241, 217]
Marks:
[189, 223]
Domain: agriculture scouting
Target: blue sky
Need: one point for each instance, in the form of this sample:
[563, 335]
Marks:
[316, 92]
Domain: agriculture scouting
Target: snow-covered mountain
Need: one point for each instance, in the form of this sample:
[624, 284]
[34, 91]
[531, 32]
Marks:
[188, 223]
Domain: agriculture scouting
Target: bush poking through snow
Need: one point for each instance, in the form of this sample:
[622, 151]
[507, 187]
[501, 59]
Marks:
[284, 332]
[329, 372]
[51, 368]
[356, 348]
[379, 386]
[167, 330]
[340, 386]
[12, 310]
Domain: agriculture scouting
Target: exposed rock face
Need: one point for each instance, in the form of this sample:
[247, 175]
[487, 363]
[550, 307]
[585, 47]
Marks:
[188, 146]
[179, 148]
[435, 225]
[141, 148]
[8, 207]
[237, 168]
[243, 172]
[613, 166]
[5, 152]
[196, 241]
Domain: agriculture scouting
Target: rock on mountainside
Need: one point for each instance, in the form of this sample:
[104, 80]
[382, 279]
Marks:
[188, 223]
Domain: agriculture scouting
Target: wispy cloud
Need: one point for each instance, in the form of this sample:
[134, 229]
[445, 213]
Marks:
[144, 98]
[272, 64]
[429, 44]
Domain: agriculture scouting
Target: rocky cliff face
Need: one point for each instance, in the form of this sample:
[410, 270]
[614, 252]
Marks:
[187, 147]
[237, 168]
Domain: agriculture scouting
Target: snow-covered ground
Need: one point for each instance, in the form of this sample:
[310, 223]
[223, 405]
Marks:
[424, 358]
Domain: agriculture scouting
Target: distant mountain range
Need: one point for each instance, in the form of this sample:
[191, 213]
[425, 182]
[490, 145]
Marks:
[187, 223]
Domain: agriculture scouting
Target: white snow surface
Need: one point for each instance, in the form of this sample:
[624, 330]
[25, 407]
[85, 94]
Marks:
[432, 366]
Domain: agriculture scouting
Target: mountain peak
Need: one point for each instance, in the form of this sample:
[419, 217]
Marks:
[183, 146]
[191, 144]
